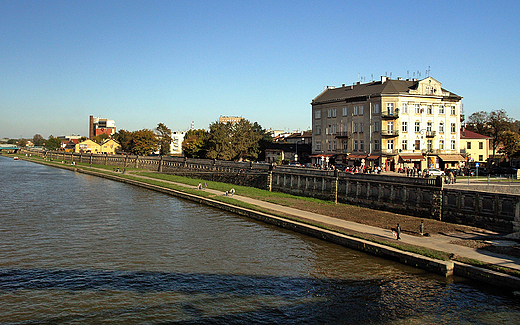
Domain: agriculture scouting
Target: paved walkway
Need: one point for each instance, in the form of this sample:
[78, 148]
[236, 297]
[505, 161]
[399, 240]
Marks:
[436, 242]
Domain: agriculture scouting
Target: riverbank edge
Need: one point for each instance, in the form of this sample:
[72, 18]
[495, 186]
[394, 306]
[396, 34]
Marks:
[443, 268]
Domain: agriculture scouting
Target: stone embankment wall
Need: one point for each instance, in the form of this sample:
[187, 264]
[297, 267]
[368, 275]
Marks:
[425, 198]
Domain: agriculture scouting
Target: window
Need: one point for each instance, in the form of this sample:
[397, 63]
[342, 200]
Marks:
[429, 144]
[356, 109]
[377, 145]
[404, 108]
[468, 145]
[334, 145]
[452, 144]
[329, 113]
[328, 129]
[390, 108]
[318, 129]
[429, 126]
[404, 126]
[453, 128]
[356, 145]
[317, 115]
[453, 110]
[481, 146]
[376, 109]
[390, 126]
[360, 127]
[333, 112]
[441, 127]
[377, 127]
[345, 145]
[429, 110]
[417, 127]
[480, 158]
[344, 111]
[318, 145]
[361, 145]
[404, 145]
[361, 110]
[417, 108]
[355, 127]
[417, 145]
[390, 145]
[441, 109]
[441, 144]
[329, 146]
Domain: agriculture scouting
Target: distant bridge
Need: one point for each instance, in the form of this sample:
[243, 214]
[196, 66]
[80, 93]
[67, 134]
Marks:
[9, 147]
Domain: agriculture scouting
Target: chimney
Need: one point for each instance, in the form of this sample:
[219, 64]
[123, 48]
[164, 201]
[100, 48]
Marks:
[383, 79]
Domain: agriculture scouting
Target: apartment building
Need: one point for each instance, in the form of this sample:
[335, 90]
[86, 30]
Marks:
[389, 123]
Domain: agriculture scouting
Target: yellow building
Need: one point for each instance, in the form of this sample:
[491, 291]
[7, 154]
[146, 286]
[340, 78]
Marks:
[110, 146]
[474, 146]
[87, 146]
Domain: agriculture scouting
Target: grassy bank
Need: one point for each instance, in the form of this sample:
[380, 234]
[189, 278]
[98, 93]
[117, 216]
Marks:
[347, 212]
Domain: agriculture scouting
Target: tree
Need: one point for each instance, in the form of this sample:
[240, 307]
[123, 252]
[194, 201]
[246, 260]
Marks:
[21, 143]
[144, 142]
[245, 141]
[498, 123]
[511, 144]
[100, 138]
[165, 138]
[220, 141]
[194, 144]
[492, 124]
[38, 140]
[125, 140]
[265, 141]
[53, 143]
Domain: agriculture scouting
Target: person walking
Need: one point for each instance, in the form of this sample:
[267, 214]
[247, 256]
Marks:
[398, 231]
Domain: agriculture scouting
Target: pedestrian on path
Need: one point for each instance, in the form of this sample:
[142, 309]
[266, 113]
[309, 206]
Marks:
[232, 191]
[200, 186]
[398, 231]
[205, 185]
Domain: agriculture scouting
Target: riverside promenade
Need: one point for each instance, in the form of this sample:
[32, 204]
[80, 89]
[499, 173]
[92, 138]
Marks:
[448, 243]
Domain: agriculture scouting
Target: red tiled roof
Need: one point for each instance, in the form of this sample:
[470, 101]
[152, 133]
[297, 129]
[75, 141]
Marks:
[472, 135]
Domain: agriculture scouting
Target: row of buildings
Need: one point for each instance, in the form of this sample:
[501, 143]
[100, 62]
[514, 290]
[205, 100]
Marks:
[389, 123]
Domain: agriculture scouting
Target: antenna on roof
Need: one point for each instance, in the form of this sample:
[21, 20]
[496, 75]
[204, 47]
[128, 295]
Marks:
[371, 77]
[407, 74]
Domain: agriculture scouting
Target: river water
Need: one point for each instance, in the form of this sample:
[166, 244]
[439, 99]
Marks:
[77, 249]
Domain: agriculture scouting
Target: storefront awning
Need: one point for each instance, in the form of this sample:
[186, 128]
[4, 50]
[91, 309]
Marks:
[451, 158]
[410, 158]
[373, 157]
[319, 156]
[353, 157]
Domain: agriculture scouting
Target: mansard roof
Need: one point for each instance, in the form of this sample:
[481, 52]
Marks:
[362, 92]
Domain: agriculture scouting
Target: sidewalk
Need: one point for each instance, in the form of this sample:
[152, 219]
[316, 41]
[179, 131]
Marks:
[436, 242]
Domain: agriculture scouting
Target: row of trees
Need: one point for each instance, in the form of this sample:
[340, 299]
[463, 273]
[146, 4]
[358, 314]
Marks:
[238, 141]
[224, 141]
[503, 130]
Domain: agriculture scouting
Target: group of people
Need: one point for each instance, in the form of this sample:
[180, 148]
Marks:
[450, 177]
[411, 172]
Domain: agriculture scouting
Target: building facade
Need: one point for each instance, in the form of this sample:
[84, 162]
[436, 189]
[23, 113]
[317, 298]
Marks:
[388, 123]
[176, 144]
[98, 126]
[475, 147]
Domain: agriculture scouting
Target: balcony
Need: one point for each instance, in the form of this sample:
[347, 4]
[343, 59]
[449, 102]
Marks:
[430, 134]
[390, 152]
[390, 133]
[390, 114]
[343, 135]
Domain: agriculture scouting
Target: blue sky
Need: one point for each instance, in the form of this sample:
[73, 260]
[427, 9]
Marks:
[141, 63]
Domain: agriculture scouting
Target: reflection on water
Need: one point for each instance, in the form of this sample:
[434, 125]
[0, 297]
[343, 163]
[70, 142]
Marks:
[78, 249]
